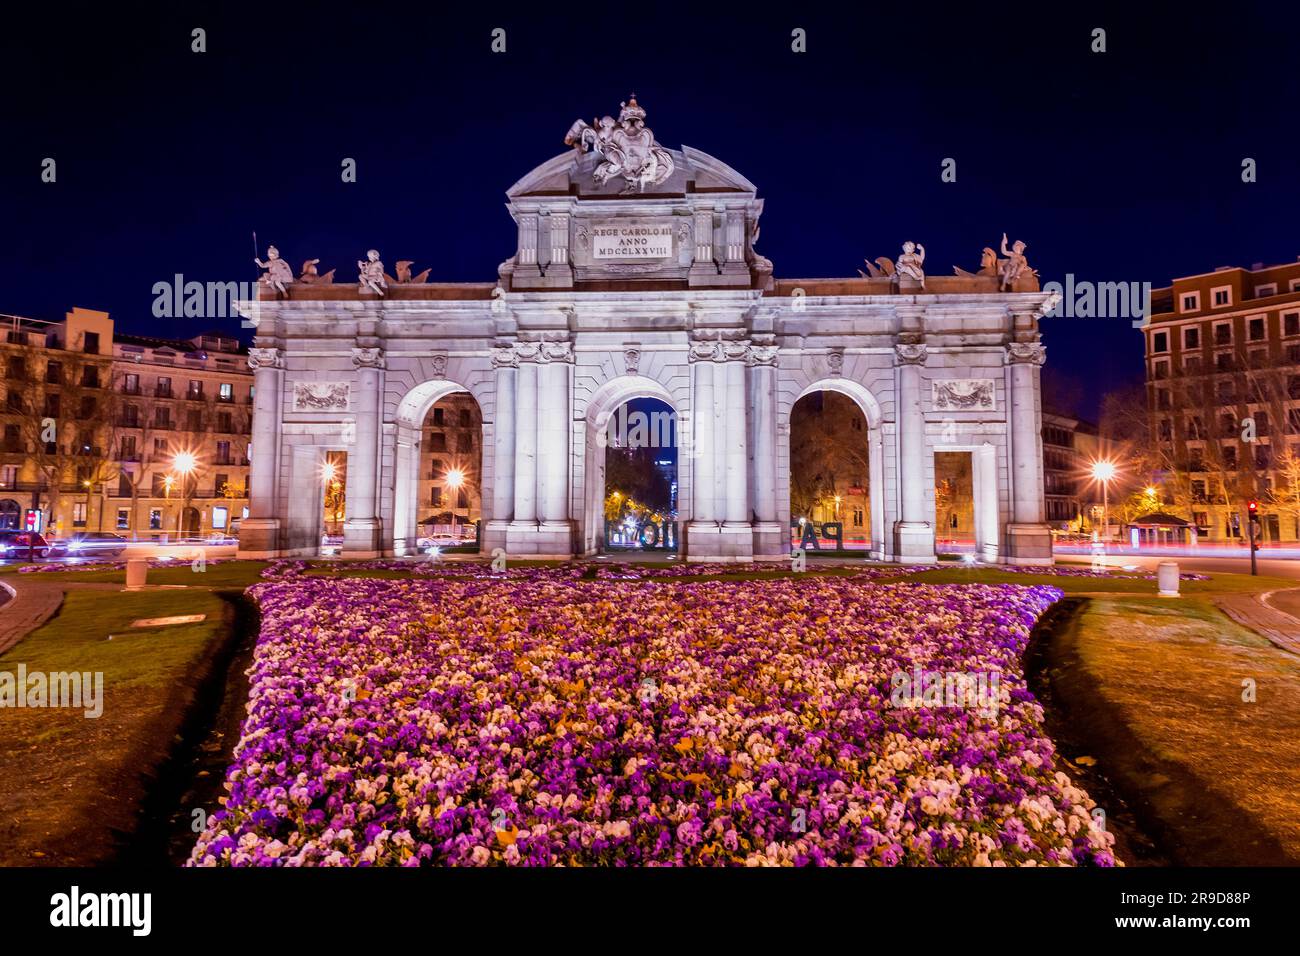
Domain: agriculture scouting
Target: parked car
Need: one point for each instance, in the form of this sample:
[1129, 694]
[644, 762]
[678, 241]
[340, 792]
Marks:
[89, 544]
[17, 545]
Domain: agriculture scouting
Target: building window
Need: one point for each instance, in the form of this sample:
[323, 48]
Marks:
[224, 423]
[155, 519]
[1255, 328]
[1191, 301]
[1264, 291]
[90, 377]
[8, 476]
[223, 453]
[438, 416]
[131, 383]
[195, 392]
[219, 517]
[1162, 398]
[123, 519]
[435, 496]
[1223, 333]
[1192, 364]
[1159, 343]
[227, 392]
[1230, 456]
[54, 373]
[438, 441]
[219, 483]
[1223, 361]
[1222, 295]
[1166, 429]
[1291, 323]
[1191, 337]
[158, 486]
[90, 344]
[1161, 369]
[78, 514]
[164, 388]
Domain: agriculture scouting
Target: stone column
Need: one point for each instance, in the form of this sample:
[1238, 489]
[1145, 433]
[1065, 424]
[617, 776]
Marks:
[1028, 539]
[259, 533]
[737, 532]
[913, 532]
[361, 529]
[768, 539]
[701, 533]
[505, 366]
[553, 423]
[525, 460]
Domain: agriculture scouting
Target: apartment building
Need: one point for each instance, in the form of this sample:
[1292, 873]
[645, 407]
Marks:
[146, 437]
[1069, 447]
[1223, 391]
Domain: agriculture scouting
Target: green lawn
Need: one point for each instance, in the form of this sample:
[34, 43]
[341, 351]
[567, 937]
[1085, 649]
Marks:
[227, 574]
[1160, 692]
[70, 781]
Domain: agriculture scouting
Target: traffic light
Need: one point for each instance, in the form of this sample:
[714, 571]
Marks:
[1253, 507]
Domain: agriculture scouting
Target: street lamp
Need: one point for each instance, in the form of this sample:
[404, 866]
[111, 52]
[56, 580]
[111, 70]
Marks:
[183, 463]
[1104, 471]
[454, 480]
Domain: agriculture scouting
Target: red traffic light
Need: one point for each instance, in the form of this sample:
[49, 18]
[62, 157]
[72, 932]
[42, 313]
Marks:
[1252, 506]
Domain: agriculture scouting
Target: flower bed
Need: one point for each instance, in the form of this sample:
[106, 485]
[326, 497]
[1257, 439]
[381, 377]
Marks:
[539, 720]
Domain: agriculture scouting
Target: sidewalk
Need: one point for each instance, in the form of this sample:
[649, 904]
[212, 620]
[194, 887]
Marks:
[1263, 614]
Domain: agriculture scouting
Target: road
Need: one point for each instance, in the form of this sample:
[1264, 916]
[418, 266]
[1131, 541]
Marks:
[1268, 562]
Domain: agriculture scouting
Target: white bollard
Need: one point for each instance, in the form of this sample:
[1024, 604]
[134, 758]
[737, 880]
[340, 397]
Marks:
[137, 569]
[1167, 578]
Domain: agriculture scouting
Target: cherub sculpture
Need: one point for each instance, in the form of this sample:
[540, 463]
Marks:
[371, 277]
[909, 264]
[1015, 264]
[312, 276]
[278, 274]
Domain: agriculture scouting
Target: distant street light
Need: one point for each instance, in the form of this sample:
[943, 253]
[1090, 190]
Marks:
[1104, 471]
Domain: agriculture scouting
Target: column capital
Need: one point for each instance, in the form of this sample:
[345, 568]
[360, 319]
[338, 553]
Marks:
[764, 355]
[704, 351]
[265, 358]
[1031, 353]
[909, 353]
[505, 356]
[368, 358]
[556, 352]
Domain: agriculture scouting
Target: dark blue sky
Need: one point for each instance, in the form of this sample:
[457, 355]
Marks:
[1123, 166]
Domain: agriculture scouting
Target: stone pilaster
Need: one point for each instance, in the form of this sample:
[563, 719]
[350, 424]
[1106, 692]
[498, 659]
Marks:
[505, 365]
[771, 540]
[259, 533]
[1028, 539]
[703, 269]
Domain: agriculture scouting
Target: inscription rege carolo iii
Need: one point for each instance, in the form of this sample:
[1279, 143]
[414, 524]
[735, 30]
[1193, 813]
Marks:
[631, 240]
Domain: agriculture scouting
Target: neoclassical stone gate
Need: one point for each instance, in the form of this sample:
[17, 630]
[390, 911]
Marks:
[635, 275]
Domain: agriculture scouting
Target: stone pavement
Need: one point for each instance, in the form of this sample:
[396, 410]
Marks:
[1263, 614]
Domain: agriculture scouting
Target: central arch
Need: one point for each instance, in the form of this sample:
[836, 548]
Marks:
[408, 420]
[870, 409]
[603, 403]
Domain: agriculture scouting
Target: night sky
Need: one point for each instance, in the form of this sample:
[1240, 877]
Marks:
[1122, 166]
